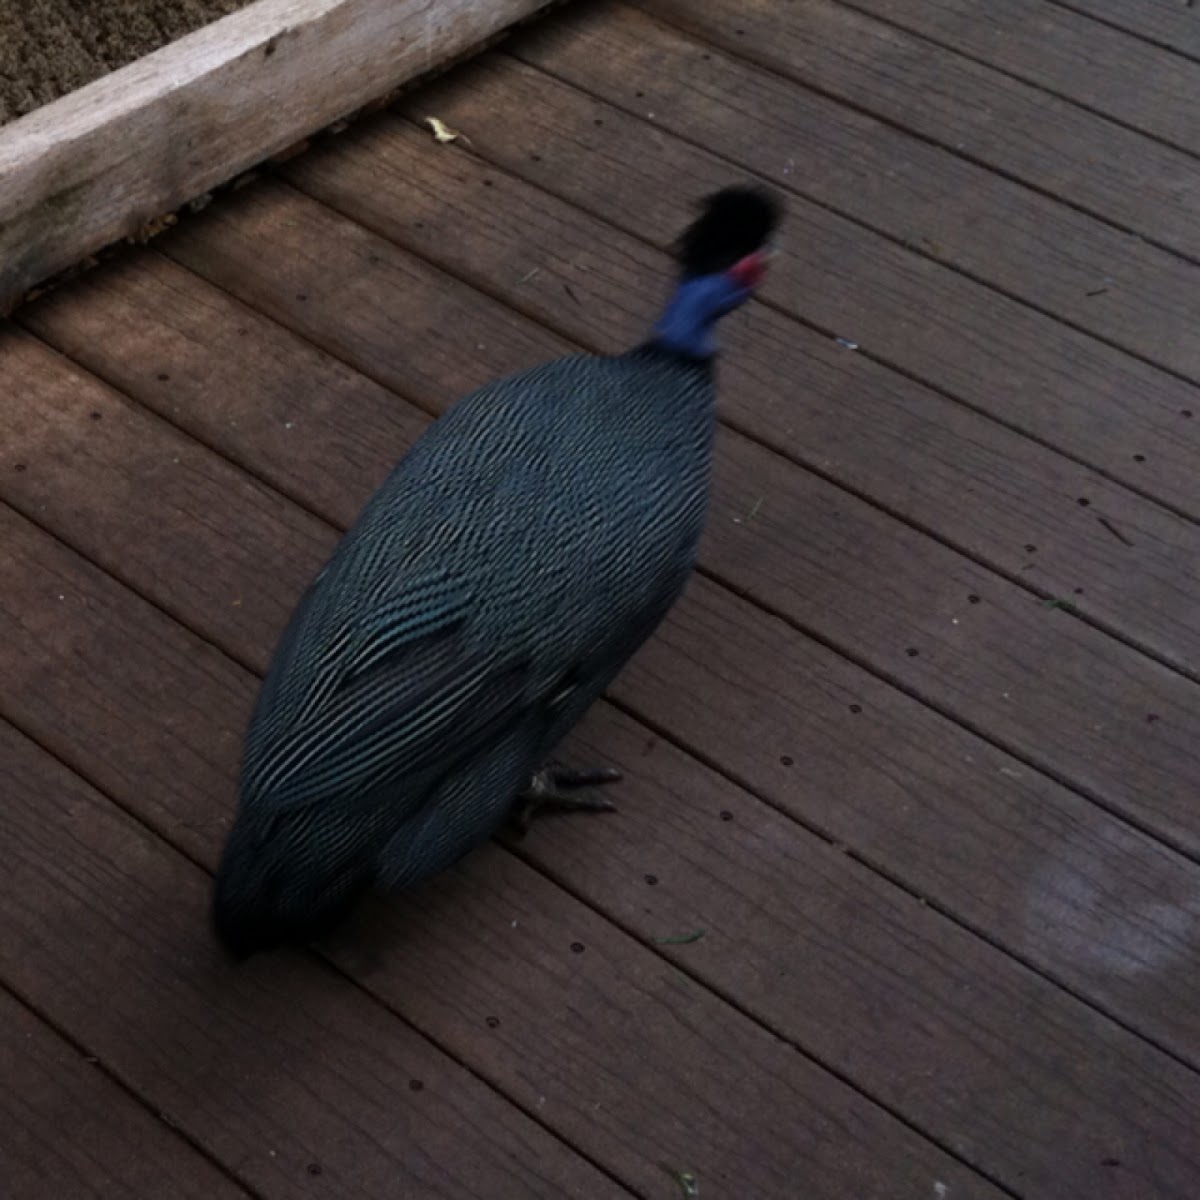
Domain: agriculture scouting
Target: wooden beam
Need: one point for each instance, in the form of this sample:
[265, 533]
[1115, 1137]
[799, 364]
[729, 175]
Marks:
[103, 162]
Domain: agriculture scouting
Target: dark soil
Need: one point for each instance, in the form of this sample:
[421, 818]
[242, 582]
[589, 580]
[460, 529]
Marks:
[51, 47]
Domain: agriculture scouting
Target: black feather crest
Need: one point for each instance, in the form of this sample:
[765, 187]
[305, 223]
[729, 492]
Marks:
[734, 222]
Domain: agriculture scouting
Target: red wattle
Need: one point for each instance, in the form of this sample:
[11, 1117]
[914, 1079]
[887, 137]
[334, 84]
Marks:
[749, 271]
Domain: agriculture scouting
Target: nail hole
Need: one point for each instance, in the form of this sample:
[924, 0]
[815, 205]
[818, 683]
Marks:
[1110, 1162]
[1185, 412]
[19, 467]
[912, 652]
[301, 296]
[269, 49]
[487, 183]
[415, 1085]
[1077, 591]
[856, 709]
[726, 815]
[535, 158]
[163, 376]
[1083, 502]
[786, 760]
[651, 880]
[639, 95]
[972, 599]
[314, 1168]
[576, 947]
[1151, 718]
[95, 416]
[1030, 548]
[597, 121]
[1139, 458]
[493, 1022]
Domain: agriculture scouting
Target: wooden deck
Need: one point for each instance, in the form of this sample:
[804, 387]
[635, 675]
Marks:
[903, 898]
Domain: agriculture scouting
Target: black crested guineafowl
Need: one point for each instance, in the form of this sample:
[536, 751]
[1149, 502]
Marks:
[493, 587]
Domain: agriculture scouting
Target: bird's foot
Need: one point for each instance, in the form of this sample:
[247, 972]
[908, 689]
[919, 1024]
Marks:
[563, 789]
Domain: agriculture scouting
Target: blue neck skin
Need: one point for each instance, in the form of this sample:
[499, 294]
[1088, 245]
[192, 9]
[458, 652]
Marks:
[687, 325]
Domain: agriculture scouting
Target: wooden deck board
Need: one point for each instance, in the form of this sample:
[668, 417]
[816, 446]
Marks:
[909, 449]
[1096, 702]
[657, 1091]
[426, 943]
[115, 310]
[61, 1119]
[970, 109]
[275, 1068]
[1022, 369]
[71, 433]
[993, 1131]
[1052, 257]
[933, 891]
[1163, 22]
[1068, 54]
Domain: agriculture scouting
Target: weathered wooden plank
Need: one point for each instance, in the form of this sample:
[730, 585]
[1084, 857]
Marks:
[884, 969]
[969, 859]
[468, 917]
[988, 352]
[228, 376]
[1055, 258]
[876, 432]
[68, 1131]
[1086, 722]
[1163, 22]
[942, 750]
[100, 163]
[690, 852]
[1061, 50]
[612, 1051]
[994, 120]
[285, 1072]
[66, 437]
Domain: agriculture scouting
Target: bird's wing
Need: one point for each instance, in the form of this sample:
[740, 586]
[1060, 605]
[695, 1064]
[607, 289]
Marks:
[399, 693]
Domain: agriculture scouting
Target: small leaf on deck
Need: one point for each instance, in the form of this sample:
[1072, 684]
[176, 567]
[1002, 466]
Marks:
[442, 132]
[688, 1186]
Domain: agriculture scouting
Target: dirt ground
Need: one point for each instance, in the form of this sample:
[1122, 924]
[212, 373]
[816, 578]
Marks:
[51, 47]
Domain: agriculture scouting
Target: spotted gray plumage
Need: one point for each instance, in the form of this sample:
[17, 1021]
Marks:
[493, 587]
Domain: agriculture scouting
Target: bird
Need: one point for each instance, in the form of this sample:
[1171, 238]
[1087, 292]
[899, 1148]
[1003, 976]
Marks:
[520, 552]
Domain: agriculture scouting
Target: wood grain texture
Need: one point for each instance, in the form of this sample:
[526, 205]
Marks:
[285, 1072]
[972, 482]
[1116, 861]
[1164, 22]
[470, 923]
[972, 110]
[1054, 258]
[99, 164]
[970, 859]
[1066, 53]
[67, 436]
[991, 353]
[613, 1053]
[813, 553]
[811, 942]
[236, 381]
[68, 1131]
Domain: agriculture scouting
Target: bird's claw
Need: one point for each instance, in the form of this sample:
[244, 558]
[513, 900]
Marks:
[563, 789]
